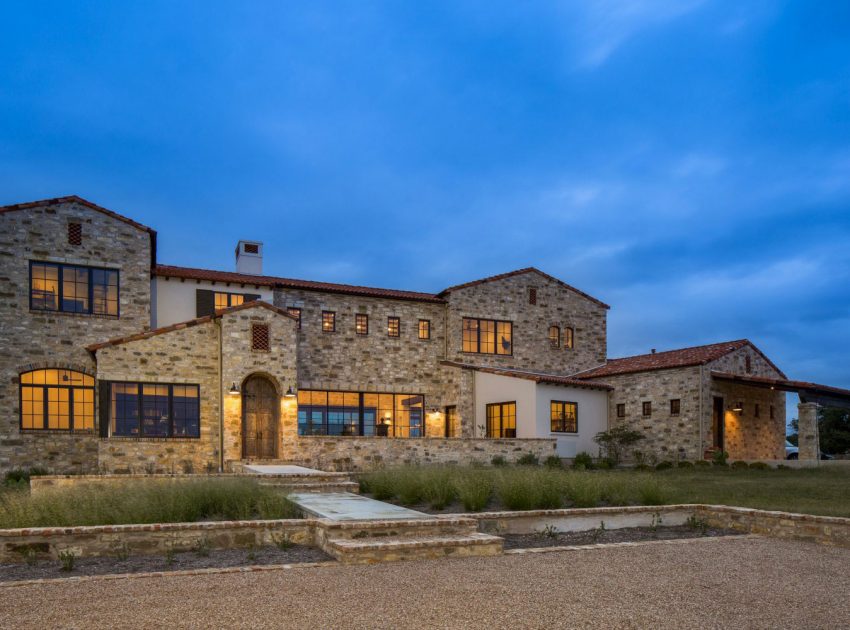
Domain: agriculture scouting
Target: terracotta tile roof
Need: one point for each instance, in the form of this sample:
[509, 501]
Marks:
[75, 199]
[537, 377]
[289, 283]
[188, 324]
[518, 272]
[683, 357]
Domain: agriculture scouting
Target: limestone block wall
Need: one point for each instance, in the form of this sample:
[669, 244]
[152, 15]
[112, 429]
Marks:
[33, 339]
[508, 299]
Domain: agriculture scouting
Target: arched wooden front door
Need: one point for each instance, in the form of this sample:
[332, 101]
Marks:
[260, 409]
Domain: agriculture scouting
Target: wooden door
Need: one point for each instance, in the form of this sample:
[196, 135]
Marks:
[260, 405]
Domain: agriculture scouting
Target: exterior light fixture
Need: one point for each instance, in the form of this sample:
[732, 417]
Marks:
[234, 389]
[738, 408]
[290, 393]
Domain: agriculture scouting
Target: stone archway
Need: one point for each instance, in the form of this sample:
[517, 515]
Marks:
[260, 418]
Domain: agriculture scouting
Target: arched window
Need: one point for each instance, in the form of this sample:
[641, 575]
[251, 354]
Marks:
[555, 336]
[57, 399]
[568, 338]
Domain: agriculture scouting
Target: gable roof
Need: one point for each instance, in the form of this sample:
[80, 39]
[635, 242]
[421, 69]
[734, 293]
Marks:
[683, 357]
[537, 377]
[92, 206]
[147, 334]
[290, 283]
[518, 272]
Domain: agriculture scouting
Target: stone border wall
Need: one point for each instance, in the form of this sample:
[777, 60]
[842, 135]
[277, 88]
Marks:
[824, 530]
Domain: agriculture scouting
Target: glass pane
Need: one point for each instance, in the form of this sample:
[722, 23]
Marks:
[487, 336]
[125, 409]
[155, 410]
[58, 408]
[26, 377]
[104, 292]
[75, 289]
[186, 408]
[370, 414]
[44, 289]
[32, 410]
[83, 409]
[236, 300]
[509, 420]
[470, 335]
[504, 336]
[220, 301]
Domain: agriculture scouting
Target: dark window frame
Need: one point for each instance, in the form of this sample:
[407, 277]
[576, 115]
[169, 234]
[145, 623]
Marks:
[621, 410]
[332, 321]
[646, 408]
[394, 331]
[61, 286]
[140, 407]
[554, 339]
[427, 323]
[450, 413]
[230, 295]
[501, 406]
[757, 411]
[553, 404]
[357, 321]
[675, 406]
[361, 416]
[297, 315]
[496, 344]
[46, 407]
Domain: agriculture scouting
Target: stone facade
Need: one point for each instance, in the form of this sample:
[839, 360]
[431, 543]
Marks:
[37, 339]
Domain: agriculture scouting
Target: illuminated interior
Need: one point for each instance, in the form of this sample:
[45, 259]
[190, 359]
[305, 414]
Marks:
[57, 399]
[554, 336]
[501, 420]
[226, 300]
[73, 289]
[360, 413]
[563, 417]
[487, 336]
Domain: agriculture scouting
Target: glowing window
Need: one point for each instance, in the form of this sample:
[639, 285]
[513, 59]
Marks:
[487, 336]
[568, 338]
[424, 329]
[57, 399]
[328, 321]
[563, 417]
[73, 289]
[554, 336]
[393, 326]
[501, 420]
[361, 324]
[226, 300]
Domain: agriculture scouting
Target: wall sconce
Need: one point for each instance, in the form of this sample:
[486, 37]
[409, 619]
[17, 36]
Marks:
[290, 393]
[234, 389]
[433, 410]
[738, 407]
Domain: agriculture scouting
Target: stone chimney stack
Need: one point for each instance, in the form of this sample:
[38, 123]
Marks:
[249, 258]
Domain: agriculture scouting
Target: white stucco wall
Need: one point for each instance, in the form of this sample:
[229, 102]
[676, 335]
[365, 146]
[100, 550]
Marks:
[175, 300]
[532, 409]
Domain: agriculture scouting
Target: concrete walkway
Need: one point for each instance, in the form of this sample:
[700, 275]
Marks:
[282, 469]
[344, 506]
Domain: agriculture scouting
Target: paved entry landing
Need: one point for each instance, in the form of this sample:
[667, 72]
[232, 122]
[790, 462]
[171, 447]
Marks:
[282, 469]
[344, 506]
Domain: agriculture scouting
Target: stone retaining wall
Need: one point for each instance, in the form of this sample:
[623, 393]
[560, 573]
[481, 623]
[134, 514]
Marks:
[366, 453]
[824, 530]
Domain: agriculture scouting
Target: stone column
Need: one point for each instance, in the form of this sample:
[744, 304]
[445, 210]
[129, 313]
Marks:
[807, 419]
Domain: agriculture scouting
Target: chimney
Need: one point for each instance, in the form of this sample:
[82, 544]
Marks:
[652, 351]
[249, 258]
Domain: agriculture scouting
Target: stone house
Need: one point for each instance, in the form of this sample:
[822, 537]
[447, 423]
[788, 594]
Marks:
[113, 362]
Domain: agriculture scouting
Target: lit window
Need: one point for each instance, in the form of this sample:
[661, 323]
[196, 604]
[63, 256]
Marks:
[226, 300]
[361, 324]
[73, 289]
[260, 337]
[487, 336]
[501, 420]
[621, 410]
[328, 321]
[647, 409]
[554, 336]
[154, 410]
[296, 313]
[675, 406]
[57, 399]
[568, 338]
[563, 417]
[361, 413]
[393, 326]
[451, 421]
[424, 329]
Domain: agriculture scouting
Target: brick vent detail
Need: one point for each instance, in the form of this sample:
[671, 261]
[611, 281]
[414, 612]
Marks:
[75, 234]
[260, 337]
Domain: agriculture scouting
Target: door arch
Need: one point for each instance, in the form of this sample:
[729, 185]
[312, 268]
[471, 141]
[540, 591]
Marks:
[260, 418]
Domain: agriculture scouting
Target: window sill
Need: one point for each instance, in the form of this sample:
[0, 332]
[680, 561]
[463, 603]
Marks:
[557, 433]
[35, 311]
[57, 431]
[127, 438]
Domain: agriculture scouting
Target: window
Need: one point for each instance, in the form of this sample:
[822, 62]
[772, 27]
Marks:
[675, 406]
[154, 410]
[393, 326]
[361, 324]
[226, 300]
[748, 364]
[501, 420]
[73, 289]
[361, 413]
[75, 234]
[772, 412]
[647, 409]
[554, 336]
[568, 338]
[296, 313]
[563, 416]
[451, 421]
[260, 337]
[328, 321]
[57, 399]
[424, 328]
[621, 410]
[532, 295]
[756, 411]
[487, 336]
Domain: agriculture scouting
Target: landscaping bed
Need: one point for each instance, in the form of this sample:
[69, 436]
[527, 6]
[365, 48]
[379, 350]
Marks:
[203, 559]
[549, 538]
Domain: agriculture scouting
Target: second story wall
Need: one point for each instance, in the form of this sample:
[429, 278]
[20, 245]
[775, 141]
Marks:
[176, 299]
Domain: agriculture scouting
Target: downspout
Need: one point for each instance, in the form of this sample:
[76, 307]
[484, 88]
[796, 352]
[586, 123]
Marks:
[220, 398]
[701, 452]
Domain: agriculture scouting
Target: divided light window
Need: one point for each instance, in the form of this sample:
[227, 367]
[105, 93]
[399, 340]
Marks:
[424, 329]
[621, 410]
[296, 313]
[361, 324]
[569, 336]
[675, 406]
[393, 326]
[501, 420]
[563, 416]
[328, 321]
[73, 289]
[361, 413]
[154, 410]
[647, 408]
[57, 399]
[487, 336]
[554, 336]
[226, 300]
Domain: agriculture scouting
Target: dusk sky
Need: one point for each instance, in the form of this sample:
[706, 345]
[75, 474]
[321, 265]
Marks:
[686, 162]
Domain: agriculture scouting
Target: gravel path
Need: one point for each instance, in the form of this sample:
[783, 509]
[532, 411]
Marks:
[723, 582]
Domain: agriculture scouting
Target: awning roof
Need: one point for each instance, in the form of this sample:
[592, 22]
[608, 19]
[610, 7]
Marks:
[825, 395]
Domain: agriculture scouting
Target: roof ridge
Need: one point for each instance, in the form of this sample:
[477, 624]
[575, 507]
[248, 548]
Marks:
[703, 345]
[75, 199]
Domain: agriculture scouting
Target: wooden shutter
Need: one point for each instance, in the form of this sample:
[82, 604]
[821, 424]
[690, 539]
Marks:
[103, 407]
[204, 302]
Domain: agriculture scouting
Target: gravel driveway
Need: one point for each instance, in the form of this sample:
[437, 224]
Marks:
[742, 583]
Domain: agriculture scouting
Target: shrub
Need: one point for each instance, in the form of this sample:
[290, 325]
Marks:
[686, 464]
[740, 464]
[653, 491]
[759, 466]
[21, 476]
[380, 483]
[582, 489]
[701, 463]
[438, 489]
[499, 461]
[474, 490]
[615, 442]
[408, 485]
[553, 462]
[719, 458]
[606, 463]
[665, 465]
[783, 467]
[67, 559]
[529, 459]
[583, 461]
[515, 492]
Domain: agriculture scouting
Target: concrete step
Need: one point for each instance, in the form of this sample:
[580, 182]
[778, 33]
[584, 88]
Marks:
[383, 529]
[394, 548]
[311, 485]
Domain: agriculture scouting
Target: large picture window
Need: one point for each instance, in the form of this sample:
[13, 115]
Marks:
[563, 416]
[73, 289]
[154, 410]
[226, 300]
[57, 399]
[361, 413]
[487, 336]
[501, 420]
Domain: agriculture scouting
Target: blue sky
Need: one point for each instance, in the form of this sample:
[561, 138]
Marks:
[687, 162]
